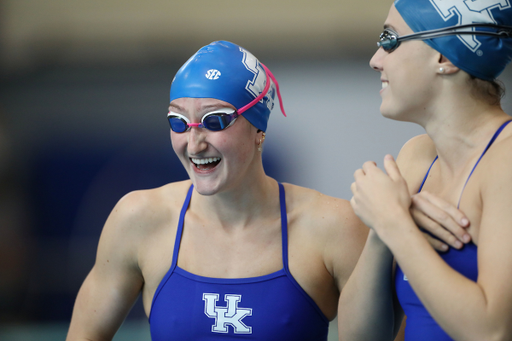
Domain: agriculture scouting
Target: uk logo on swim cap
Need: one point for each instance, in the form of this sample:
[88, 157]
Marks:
[212, 74]
[469, 12]
[255, 85]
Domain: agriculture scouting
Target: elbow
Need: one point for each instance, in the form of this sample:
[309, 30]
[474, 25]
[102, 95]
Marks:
[499, 333]
[504, 334]
[502, 331]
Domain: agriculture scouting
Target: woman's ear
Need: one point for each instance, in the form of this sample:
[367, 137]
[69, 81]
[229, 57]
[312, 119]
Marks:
[260, 138]
[445, 66]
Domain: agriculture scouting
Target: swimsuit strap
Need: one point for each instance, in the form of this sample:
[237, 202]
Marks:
[426, 175]
[496, 134]
[179, 232]
[284, 227]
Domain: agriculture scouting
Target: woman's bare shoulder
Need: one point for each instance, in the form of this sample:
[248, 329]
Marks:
[415, 158]
[496, 166]
[141, 211]
[312, 200]
[420, 148]
[318, 211]
[330, 226]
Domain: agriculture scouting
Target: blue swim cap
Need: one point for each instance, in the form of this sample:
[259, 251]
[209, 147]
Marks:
[482, 56]
[226, 71]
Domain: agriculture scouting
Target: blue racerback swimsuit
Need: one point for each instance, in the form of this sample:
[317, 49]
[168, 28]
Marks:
[270, 307]
[420, 326]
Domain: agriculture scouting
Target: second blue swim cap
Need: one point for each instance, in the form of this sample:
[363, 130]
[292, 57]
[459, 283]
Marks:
[226, 71]
[484, 57]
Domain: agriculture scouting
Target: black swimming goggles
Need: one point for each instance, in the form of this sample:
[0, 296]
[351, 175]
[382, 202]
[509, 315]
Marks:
[215, 120]
[389, 40]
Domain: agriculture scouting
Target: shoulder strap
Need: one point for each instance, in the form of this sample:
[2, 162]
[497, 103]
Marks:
[426, 175]
[179, 231]
[284, 226]
[496, 134]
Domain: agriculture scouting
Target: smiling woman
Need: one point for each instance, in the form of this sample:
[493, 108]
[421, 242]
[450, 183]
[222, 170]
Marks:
[438, 63]
[230, 252]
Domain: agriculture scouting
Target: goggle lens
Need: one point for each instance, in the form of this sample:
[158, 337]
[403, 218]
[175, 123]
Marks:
[217, 121]
[388, 40]
[178, 124]
[214, 121]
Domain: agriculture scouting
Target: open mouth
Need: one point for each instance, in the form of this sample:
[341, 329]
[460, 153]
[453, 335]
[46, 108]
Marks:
[206, 163]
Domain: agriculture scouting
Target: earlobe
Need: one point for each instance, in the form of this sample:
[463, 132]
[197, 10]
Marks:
[259, 141]
[446, 67]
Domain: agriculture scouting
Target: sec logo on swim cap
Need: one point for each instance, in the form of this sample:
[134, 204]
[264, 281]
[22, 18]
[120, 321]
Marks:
[213, 74]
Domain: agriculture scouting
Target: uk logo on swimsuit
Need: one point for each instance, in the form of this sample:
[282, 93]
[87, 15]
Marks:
[230, 315]
[469, 12]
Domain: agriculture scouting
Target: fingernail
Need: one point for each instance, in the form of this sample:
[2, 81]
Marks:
[466, 238]
[444, 247]
[464, 221]
[458, 244]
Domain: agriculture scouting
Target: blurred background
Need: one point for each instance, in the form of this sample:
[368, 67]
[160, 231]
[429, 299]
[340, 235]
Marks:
[83, 99]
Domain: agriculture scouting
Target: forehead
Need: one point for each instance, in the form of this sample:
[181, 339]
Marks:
[198, 105]
[396, 22]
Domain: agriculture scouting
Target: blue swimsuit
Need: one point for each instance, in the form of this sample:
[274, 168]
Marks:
[270, 307]
[420, 325]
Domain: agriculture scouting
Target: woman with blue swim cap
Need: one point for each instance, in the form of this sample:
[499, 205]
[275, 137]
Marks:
[230, 253]
[438, 62]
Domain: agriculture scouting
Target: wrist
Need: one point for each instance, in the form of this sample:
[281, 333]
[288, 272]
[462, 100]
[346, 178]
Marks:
[395, 226]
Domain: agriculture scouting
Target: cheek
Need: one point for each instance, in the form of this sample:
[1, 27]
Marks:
[177, 143]
[235, 149]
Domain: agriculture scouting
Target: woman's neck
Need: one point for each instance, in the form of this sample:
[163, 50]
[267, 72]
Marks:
[240, 205]
[461, 129]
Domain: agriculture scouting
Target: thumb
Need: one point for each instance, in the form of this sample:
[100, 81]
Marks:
[391, 167]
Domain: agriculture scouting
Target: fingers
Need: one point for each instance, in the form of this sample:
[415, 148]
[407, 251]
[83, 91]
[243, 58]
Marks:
[362, 172]
[359, 174]
[353, 203]
[368, 165]
[436, 230]
[353, 188]
[457, 215]
[440, 218]
[435, 243]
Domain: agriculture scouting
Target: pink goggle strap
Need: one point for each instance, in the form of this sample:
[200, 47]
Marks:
[264, 92]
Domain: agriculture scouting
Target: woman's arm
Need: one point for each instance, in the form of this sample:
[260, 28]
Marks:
[366, 301]
[112, 286]
[367, 309]
[465, 310]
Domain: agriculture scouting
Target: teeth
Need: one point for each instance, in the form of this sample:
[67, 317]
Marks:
[205, 160]
[384, 85]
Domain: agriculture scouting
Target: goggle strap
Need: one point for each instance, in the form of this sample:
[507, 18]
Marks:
[256, 100]
[277, 88]
[264, 92]
[504, 31]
